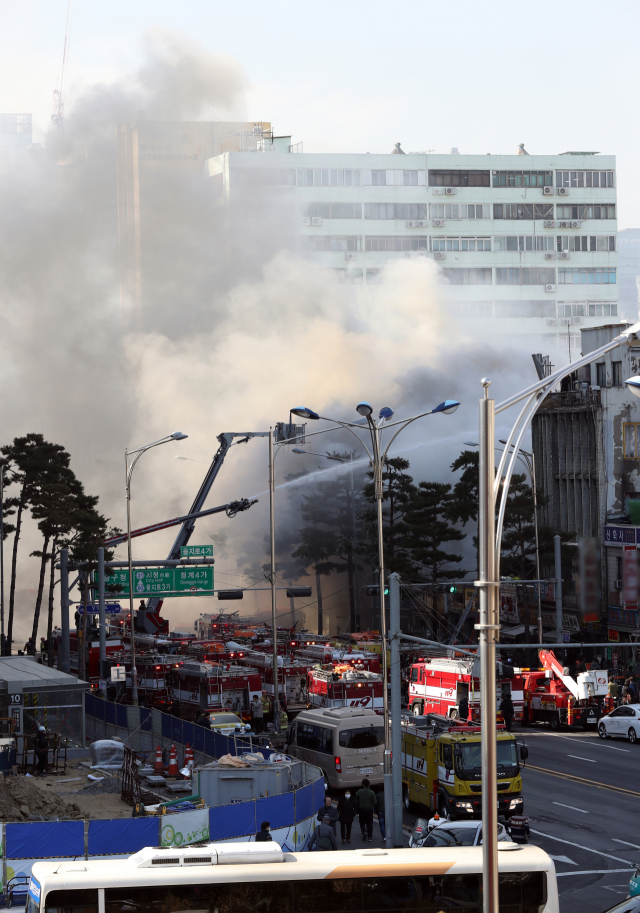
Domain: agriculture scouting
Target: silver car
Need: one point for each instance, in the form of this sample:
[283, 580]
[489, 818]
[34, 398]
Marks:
[623, 722]
[460, 833]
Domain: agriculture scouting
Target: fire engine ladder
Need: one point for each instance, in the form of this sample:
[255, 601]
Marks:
[467, 609]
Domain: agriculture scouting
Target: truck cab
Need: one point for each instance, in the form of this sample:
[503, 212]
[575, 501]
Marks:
[442, 767]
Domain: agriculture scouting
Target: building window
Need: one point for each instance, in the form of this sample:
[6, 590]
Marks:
[464, 244]
[616, 373]
[472, 309]
[535, 275]
[329, 177]
[584, 179]
[523, 211]
[439, 178]
[393, 178]
[522, 178]
[459, 211]
[587, 276]
[467, 276]
[396, 242]
[259, 176]
[395, 210]
[526, 309]
[374, 276]
[587, 309]
[601, 374]
[631, 434]
[585, 243]
[333, 210]
[581, 211]
[332, 242]
[523, 243]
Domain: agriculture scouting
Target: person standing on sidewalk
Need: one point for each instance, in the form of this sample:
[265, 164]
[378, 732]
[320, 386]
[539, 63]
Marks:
[257, 713]
[346, 813]
[366, 799]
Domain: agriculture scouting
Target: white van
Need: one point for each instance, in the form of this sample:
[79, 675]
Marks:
[346, 743]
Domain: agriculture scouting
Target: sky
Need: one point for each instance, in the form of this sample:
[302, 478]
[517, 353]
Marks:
[254, 339]
[360, 76]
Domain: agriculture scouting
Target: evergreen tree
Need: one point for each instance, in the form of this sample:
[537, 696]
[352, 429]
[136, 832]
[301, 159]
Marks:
[429, 527]
[398, 496]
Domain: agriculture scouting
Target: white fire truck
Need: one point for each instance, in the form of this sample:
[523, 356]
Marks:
[322, 655]
[344, 686]
[198, 687]
[437, 685]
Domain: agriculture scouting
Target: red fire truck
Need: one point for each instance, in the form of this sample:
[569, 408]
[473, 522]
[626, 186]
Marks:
[552, 696]
[197, 687]
[92, 655]
[343, 686]
[438, 684]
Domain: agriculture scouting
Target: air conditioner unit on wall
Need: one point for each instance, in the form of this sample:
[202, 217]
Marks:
[412, 224]
[552, 322]
[316, 220]
[575, 223]
[437, 190]
[563, 191]
[438, 223]
[576, 321]
[549, 223]
[305, 220]
[565, 255]
[422, 223]
[440, 255]
[350, 256]
[550, 287]
[547, 191]
[549, 256]
[564, 224]
[449, 190]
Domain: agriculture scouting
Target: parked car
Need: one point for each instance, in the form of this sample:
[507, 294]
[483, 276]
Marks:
[459, 833]
[630, 905]
[623, 722]
[634, 887]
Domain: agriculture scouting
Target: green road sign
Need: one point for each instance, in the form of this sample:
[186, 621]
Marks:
[196, 551]
[164, 582]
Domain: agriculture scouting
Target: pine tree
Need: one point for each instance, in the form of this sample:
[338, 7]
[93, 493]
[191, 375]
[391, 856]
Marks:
[398, 495]
[429, 527]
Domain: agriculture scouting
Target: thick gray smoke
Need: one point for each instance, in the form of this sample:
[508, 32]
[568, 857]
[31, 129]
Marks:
[235, 329]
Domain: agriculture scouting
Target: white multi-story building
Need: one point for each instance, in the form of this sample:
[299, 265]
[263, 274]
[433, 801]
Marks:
[529, 240]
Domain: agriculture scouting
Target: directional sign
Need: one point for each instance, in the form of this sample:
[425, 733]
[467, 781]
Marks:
[164, 582]
[196, 551]
[111, 608]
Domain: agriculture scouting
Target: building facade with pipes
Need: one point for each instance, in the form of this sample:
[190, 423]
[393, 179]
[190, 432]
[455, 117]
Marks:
[586, 440]
[527, 240]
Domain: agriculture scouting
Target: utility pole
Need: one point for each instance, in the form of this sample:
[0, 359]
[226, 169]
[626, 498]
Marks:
[102, 617]
[394, 823]
[63, 655]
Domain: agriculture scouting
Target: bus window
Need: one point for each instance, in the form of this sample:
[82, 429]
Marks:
[370, 737]
[72, 901]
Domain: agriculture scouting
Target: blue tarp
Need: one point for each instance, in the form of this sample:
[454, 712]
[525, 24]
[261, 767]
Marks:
[166, 725]
[188, 732]
[238, 820]
[176, 729]
[277, 810]
[121, 715]
[304, 803]
[110, 713]
[89, 705]
[145, 719]
[198, 737]
[318, 794]
[41, 839]
[123, 835]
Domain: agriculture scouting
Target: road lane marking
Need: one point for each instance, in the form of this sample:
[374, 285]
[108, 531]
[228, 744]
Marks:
[562, 859]
[592, 872]
[572, 777]
[580, 847]
[578, 738]
[578, 758]
[626, 843]
[572, 807]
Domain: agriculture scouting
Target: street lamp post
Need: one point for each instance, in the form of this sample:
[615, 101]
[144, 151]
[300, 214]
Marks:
[128, 472]
[356, 591]
[491, 484]
[377, 458]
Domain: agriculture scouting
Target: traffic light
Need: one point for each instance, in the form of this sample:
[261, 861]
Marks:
[299, 591]
[374, 589]
[230, 594]
[453, 589]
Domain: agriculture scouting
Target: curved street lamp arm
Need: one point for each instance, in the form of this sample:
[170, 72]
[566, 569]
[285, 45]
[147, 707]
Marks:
[403, 424]
[632, 334]
[507, 448]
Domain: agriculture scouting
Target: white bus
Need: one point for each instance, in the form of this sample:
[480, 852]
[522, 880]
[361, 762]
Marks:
[260, 878]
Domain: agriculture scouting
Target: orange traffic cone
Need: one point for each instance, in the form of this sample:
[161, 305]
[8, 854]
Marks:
[188, 754]
[159, 766]
[173, 762]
